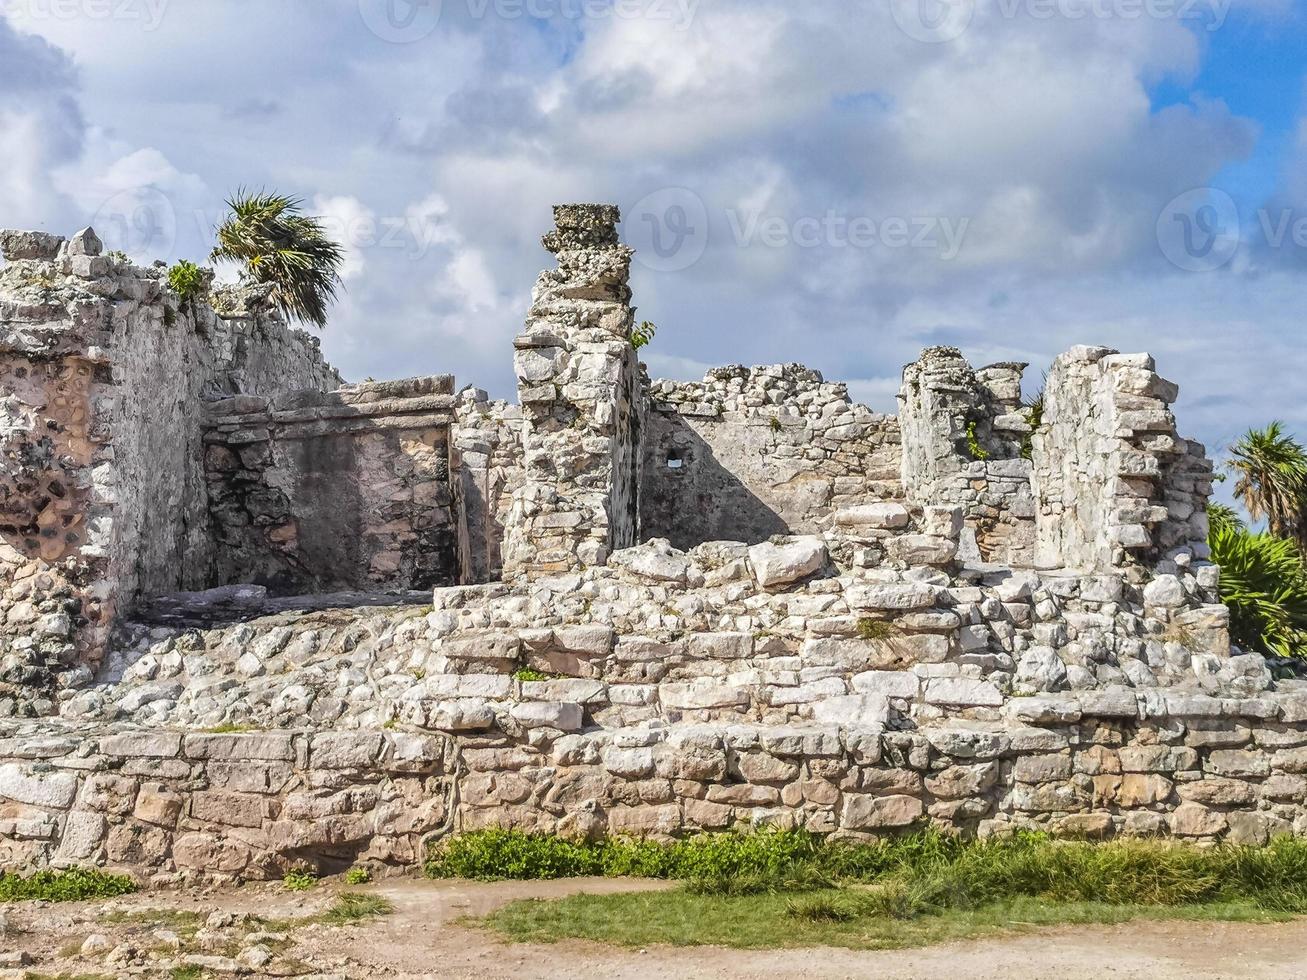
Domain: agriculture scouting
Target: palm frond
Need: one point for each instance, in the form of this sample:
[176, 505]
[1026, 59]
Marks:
[281, 246]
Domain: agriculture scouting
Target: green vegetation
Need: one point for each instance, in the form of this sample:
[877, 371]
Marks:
[1271, 479]
[187, 280]
[73, 885]
[299, 880]
[279, 245]
[354, 906]
[1264, 582]
[977, 451]
[1263, 574]
[877, 629]
[839, 918]
[530, 674]
[643, 335]
[793, 889]
[186, 973]
[358, 876]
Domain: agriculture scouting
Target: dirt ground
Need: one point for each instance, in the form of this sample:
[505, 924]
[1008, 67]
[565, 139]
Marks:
[422, 939]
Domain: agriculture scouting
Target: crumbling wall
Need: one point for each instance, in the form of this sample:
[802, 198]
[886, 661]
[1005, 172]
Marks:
[104, 372]
[965, 443]
[488, 440]
[1115, 485]
[752, 452]
[330, 491]
[578, 383]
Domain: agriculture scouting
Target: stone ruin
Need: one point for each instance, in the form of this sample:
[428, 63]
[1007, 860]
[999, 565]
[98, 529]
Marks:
[659, 607]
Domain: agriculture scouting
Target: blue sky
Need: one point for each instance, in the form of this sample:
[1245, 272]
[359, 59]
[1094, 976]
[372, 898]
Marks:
[838, 182]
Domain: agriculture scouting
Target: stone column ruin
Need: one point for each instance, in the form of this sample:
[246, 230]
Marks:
[578, 383]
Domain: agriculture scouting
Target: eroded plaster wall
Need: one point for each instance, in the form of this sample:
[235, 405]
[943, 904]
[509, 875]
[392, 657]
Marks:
[313, 492]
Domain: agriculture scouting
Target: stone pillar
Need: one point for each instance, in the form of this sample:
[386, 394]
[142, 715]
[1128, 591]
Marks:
[963, 435]
[1115, 486]
[577, 380]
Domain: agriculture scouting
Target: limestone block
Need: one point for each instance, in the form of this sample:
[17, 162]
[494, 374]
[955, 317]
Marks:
[881, 516]
[783, 563]
[1196, 820]
[853, 710]
[922, 549]
[862, 812]
[563, 715]
[962, 692]
[892, 595]
[53, 790]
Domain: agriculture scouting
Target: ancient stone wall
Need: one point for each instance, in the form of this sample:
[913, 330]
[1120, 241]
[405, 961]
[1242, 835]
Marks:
[104, 373]
[965, 443]
[314, 492]
[488, 440]
[578, 382]
[1114, 483]
[752, 452]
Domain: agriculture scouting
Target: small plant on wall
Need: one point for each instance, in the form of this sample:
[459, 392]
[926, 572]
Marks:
[643, 335]
[974, 447]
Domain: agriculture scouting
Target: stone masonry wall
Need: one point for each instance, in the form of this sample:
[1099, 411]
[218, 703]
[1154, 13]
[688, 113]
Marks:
[346, 490]
[1115, 485]
[488, 440]
[752, 452]
[964, 444]
[104, 372]
[578, 382]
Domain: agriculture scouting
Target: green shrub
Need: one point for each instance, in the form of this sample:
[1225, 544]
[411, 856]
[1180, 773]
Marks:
[187, 280]
[1264, 582]
[643, 335]
[299, 880]
[358, 876]
[72, 885]
[977, 451]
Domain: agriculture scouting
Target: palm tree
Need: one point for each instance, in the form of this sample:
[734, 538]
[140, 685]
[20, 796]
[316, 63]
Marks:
[281, 246]
[1272, 479]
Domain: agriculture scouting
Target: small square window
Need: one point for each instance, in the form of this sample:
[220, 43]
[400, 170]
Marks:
[675, 462]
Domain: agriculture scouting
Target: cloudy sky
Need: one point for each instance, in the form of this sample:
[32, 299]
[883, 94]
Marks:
[839, 182]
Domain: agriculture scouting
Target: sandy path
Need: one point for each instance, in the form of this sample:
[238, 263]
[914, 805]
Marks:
[422, 940]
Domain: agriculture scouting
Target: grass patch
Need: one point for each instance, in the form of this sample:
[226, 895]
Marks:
[793, 888]
[73, 885]
[186, 973]
[353, 906]
[836, 918]
[228, 728]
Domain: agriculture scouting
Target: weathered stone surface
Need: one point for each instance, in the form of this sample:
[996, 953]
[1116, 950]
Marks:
[780, 564]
